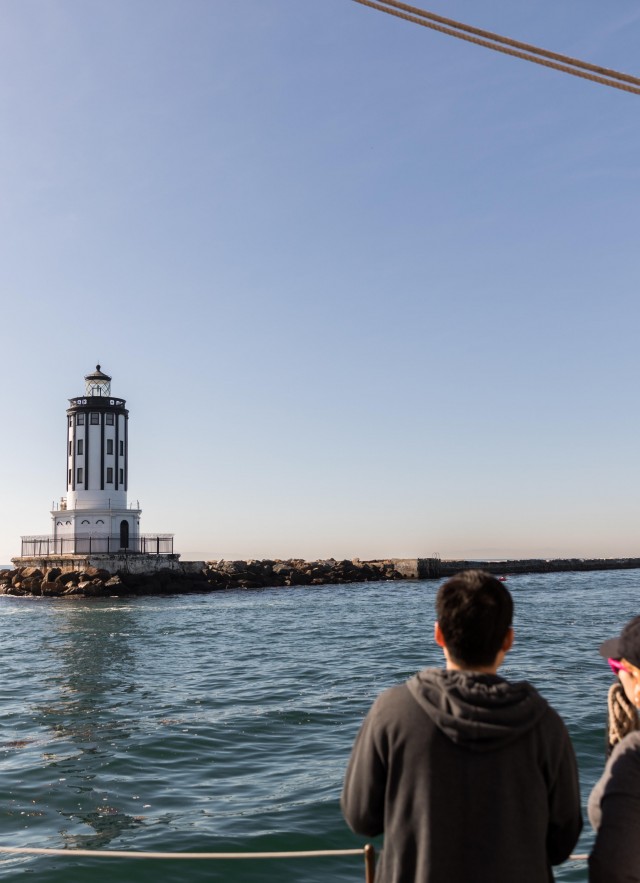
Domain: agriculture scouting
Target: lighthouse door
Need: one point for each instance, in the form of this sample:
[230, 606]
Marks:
[124, 534]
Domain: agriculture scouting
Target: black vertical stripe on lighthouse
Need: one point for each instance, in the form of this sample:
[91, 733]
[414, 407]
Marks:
[87, 433]
[126, 452]
[116, 476]
[102, 419]
[73, 455]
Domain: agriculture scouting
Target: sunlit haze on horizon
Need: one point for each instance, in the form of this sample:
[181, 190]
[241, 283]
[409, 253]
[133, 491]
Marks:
[368, 291]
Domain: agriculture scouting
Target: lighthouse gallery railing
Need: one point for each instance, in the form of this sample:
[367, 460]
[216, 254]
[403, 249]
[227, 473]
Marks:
[85, 544]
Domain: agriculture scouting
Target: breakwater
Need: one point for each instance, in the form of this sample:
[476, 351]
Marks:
[89, 580]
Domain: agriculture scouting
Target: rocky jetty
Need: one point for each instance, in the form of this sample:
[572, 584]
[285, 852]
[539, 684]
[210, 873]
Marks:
[94, 582]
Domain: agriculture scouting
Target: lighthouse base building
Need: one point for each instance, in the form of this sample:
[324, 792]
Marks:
[94, 524]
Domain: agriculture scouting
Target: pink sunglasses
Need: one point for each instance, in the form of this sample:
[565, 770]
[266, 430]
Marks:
[616, 666]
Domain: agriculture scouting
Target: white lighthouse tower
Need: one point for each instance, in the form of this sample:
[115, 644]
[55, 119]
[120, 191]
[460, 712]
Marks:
[95, 508]
[94, 522]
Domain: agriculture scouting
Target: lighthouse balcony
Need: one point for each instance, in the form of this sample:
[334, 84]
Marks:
[86, 544]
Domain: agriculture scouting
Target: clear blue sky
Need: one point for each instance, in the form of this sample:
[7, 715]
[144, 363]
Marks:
[367, 290]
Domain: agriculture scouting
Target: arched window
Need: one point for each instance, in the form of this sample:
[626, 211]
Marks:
[124, 534]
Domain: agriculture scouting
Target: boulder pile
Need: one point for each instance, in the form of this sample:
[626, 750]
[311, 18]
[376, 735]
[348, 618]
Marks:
[297, 572]
[94, 582]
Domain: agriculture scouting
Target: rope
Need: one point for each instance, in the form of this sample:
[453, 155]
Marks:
[124, 853]
[524, 51]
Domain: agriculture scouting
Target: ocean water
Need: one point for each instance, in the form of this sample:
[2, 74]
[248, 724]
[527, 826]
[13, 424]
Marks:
[223, 722]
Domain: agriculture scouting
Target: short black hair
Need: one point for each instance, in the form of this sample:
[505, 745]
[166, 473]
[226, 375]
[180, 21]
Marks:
[475, 611]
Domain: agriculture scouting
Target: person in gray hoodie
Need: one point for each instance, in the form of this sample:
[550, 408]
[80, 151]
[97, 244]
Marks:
[471, 778]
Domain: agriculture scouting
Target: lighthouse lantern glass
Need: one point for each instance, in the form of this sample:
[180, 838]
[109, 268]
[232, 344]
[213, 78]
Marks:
[98, 388]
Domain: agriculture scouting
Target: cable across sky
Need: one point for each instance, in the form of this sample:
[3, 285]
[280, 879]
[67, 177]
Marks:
[527, 52]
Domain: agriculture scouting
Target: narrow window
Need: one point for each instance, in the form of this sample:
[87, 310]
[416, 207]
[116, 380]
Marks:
[69, 482]
[121, 476]
[122, 449]
[95, 418]
[80, 419]
[109, 419]
[109, 474]
[80, 446]
[70, 447]
[80, 478]
[109, 446]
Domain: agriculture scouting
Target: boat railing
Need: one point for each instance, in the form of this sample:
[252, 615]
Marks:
[367, 852]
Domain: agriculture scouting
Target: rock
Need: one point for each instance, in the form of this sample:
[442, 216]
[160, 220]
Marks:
[72, 576]
[92, 589]
[91, 573]
[27, 572]
[232, 566]
[30, 583]
[299, 578]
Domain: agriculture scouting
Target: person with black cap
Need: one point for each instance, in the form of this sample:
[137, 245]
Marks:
[614, 803]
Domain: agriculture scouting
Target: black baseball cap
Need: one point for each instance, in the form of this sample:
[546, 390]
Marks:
[626, 645]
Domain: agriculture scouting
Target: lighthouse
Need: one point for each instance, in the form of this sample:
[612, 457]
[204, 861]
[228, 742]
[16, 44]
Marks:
[95, 521]
[97, 471]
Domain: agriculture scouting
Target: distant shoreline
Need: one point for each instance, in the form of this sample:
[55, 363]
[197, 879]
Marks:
[86, 578]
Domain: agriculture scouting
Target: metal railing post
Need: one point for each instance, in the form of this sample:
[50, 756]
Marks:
[369, 863]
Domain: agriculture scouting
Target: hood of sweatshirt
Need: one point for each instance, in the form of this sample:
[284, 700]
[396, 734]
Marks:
[478, 711]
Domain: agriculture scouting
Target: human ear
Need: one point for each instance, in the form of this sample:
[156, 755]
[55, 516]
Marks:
[507, 644]
[437, 635]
